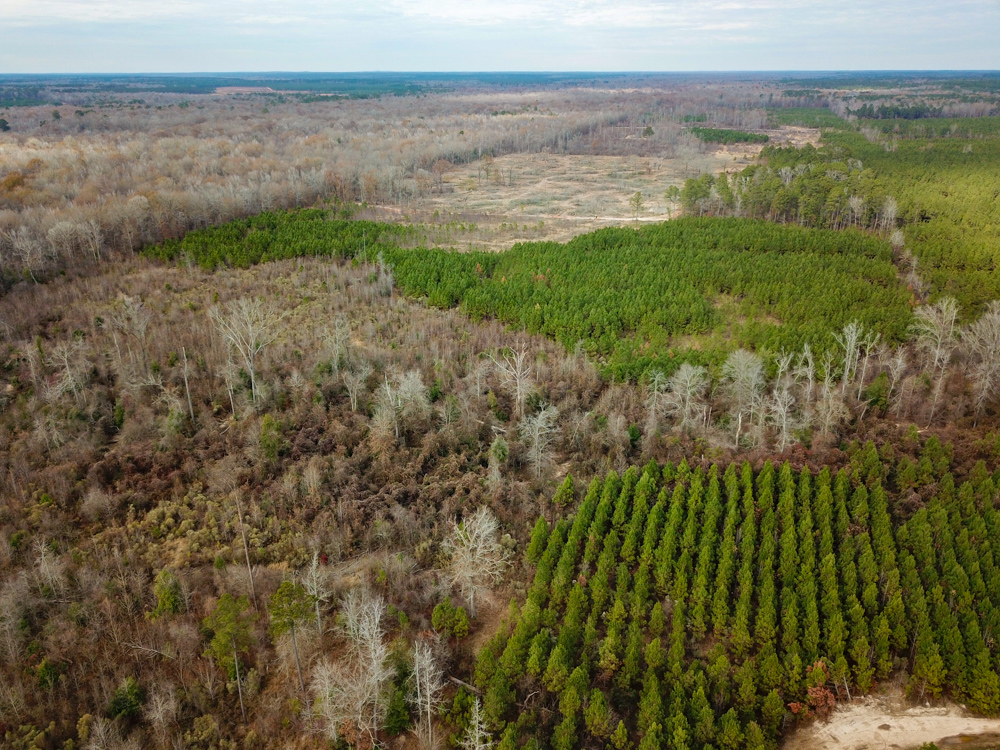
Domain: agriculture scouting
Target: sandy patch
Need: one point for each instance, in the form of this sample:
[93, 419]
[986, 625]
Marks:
[888, 721]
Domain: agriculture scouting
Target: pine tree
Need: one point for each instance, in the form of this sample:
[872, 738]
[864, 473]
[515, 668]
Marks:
[539, 539]
[650, 703]
[598, 715]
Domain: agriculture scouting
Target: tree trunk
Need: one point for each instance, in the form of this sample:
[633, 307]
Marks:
[239, 685]
[246, 550]
[187, 389]
[298, 666]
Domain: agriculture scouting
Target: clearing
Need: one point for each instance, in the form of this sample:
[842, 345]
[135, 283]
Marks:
[531, 197]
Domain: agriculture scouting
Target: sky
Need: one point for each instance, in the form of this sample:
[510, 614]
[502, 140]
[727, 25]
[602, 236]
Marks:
[133, 36]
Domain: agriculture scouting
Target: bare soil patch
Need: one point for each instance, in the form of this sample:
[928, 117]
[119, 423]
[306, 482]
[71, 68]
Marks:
[888, 721]
[530, 197]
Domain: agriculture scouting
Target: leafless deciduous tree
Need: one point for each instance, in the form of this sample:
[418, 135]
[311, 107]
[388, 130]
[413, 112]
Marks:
[743, 384]
[476, 737]
[830, 409]
[400, 399]
[849, 339]
[477, 557]
[538, 432]
[248, 325]
[317, 584]
[351, 694]
[514, 370]
[355, 380]
[780, 413]
[684, 400]
[935, 327]
[982, 340]
[428, 683]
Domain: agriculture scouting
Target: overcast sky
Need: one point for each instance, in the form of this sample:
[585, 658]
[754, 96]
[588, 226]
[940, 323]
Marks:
[45, 36]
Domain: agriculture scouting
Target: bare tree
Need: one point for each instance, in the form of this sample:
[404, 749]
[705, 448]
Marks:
[69, 360]
[476, 737]
[248, 326]
[477, 557]
[317, 584]
[830, 409]
[428, 683]
[848, 340]
[131, 318]
[400, 399]
[936, 327]
[685, 393]
[887, 216]
[805, 372]
[780, 414]
[514, 370]
[868, 344]
[28, 250]
[161, 709]
[982, 340]
[895, 366]
[743, 384]
[352, 693]
[857, 206]
[538, 432]
[338, 340]
[355, 380]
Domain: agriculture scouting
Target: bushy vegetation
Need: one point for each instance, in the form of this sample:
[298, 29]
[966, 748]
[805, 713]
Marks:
[728, 137]
[696, 609]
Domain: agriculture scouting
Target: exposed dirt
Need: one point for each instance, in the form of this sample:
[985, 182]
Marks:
[888, 721]
[528, 197]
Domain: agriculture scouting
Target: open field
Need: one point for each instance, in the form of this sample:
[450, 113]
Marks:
[548, 196]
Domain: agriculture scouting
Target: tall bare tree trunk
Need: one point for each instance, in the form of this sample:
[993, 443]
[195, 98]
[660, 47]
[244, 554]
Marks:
[246, 549]
[239, 685]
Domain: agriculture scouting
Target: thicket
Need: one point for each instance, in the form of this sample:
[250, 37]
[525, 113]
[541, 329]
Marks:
[710, 609]
[727, 137]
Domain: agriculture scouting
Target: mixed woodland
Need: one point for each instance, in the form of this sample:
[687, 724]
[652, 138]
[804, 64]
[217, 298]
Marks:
[274, 474]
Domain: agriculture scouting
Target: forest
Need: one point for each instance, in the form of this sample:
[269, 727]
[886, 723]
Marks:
[690, 609]
[674, 276]
[290, 455]
[936, 195]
